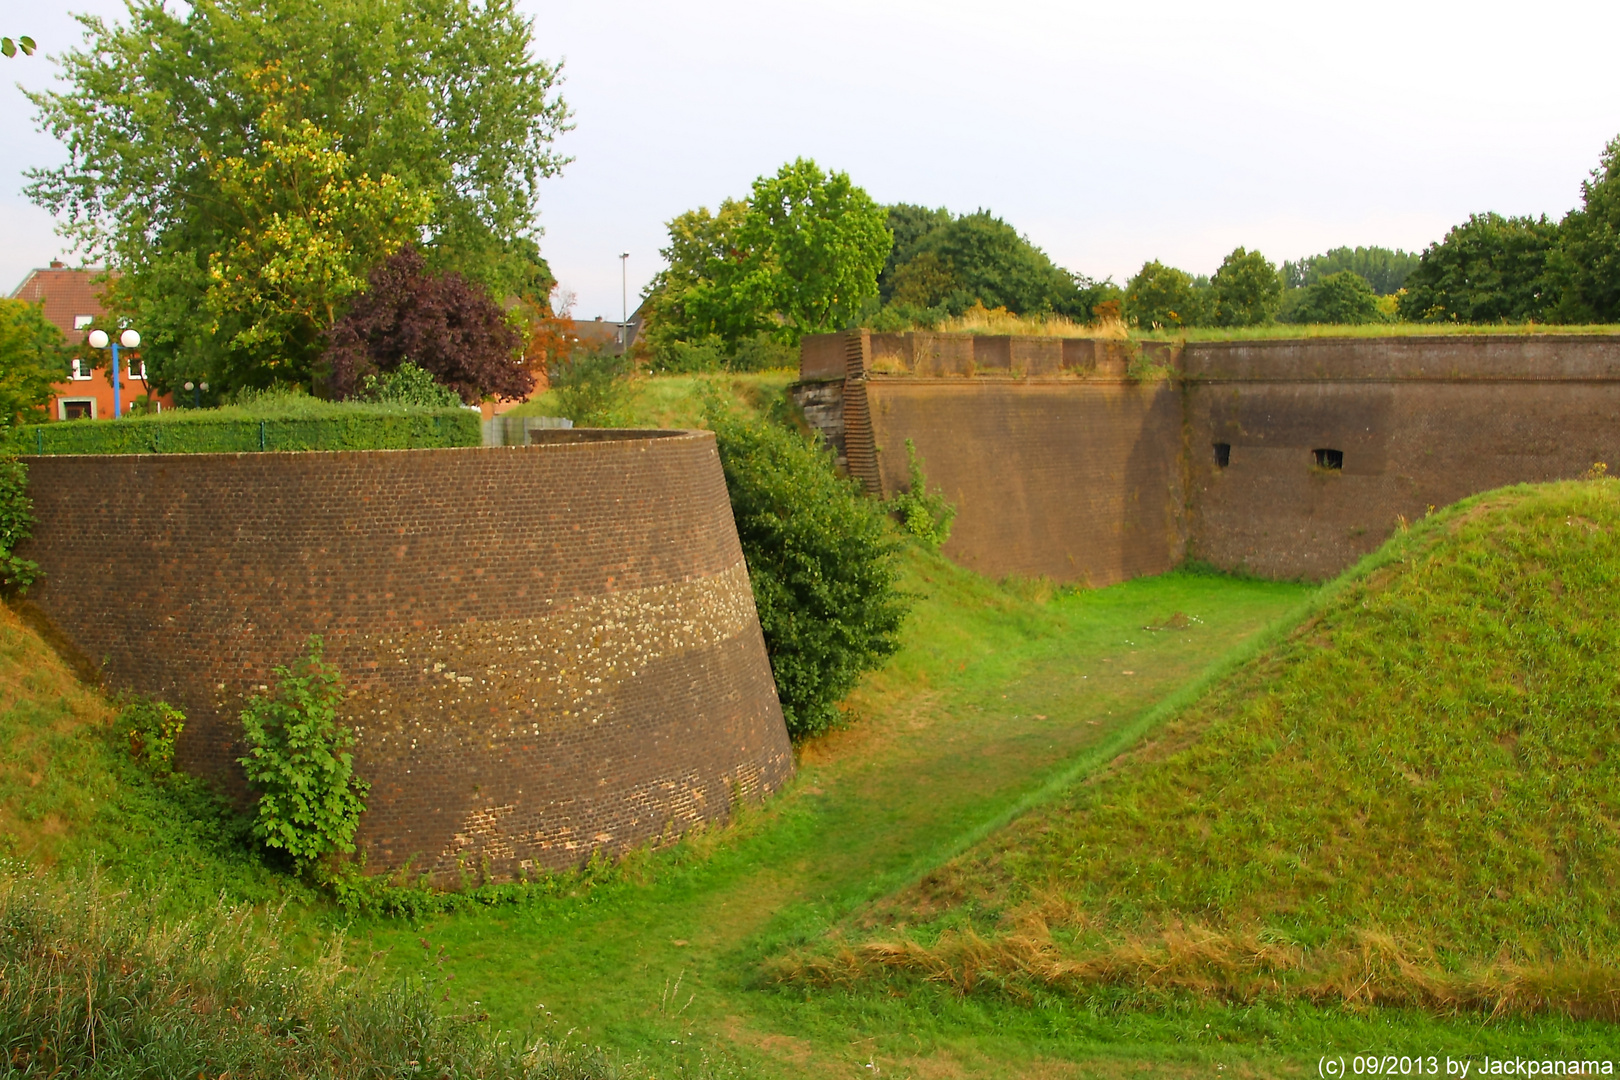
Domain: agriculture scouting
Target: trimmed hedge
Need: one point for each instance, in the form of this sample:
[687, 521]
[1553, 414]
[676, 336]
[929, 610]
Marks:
[200, 433]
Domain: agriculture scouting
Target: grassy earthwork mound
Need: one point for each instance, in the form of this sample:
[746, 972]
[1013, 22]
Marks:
[1413, 800]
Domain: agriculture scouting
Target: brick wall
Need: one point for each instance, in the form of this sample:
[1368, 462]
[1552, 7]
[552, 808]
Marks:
[549, 649]
[1080, 473]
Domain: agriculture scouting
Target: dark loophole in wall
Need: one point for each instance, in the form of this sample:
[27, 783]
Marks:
[1329, 459]
[1223, 454]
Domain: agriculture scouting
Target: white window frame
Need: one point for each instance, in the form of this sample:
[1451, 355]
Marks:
[129, 368]
[81, 373]
[83, 322]
[63, 402]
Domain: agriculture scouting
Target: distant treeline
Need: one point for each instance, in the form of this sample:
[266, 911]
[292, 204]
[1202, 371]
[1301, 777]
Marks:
[810, 251]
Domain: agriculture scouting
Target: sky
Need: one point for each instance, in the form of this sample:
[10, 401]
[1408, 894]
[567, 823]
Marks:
[1108, 134]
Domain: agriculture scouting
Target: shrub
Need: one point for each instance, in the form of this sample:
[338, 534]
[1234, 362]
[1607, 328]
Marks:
[1343, 299]
[310, 801]
[16, 521]
[1246, 290]
[688, 357]
[823, 561]
[593, 389]
[151, 730]
[926, 517]
[407, 385]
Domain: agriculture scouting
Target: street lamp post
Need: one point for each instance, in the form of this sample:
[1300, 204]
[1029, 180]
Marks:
[196, 392]
[129, 339]
[624, 300]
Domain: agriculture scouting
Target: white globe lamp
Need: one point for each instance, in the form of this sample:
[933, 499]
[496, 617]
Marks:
[129, 339]
[98, 339]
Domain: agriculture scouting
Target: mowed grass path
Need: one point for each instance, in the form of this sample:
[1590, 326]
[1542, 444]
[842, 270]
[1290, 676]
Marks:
[998, 691]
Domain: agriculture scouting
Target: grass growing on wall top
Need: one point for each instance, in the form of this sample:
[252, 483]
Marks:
[677, 401]
[1411, 801]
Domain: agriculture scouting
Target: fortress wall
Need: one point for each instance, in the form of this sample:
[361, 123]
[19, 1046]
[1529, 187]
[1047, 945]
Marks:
[1087, 475]
[1421, 422]
[549, 649]
[1071, 479]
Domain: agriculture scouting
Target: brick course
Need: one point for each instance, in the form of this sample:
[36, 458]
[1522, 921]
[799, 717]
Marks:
[549, 650]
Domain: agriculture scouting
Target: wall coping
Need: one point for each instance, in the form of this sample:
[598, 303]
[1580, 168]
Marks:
[595, 437]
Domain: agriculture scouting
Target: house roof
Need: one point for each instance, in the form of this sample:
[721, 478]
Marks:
[67, 293]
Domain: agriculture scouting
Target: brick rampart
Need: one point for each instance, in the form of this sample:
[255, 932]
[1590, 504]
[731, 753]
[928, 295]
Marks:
[1061, 464]
[549, 650]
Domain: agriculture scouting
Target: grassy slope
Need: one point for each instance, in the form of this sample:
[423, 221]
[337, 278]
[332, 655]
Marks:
[676, 401]
[1413, 800]
[996, 691]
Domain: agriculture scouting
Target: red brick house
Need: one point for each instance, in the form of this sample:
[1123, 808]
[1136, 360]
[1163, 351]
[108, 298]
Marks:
[72, 300]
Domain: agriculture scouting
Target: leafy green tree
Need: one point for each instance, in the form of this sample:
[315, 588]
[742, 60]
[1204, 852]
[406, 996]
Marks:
[909, 224]
[1344, 298]
[823, 560]
[442, 95]
[687, 301]
[1383, 269]
[407, 385]
[1489, 269]
[1161, 296]
[1246, 290]
[1585, 263]
[33, 357]
[812, 245]
[309, 226]
[16, 524]
[995, 266]
[925, 281]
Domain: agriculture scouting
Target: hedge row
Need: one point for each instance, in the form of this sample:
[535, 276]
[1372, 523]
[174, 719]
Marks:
[207, 435]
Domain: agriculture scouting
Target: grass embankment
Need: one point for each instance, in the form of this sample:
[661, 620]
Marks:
[1412, 801]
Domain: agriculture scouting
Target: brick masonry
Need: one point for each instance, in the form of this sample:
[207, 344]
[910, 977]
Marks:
[1062, 465]
[550, 650]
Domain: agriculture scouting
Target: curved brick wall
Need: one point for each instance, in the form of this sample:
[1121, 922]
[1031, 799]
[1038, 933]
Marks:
[549, 649]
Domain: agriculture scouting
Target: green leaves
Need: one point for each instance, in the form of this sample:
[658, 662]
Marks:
[310, 801]
[1246, 290]
[1488, 269]
[823, 562]
[33, 357]
[927, 517]
[24, 43]
[16, 522]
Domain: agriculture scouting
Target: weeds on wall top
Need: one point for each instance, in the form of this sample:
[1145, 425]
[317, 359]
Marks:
[310, 800]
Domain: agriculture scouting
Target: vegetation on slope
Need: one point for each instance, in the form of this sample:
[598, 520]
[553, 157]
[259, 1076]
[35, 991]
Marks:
[1411, 801]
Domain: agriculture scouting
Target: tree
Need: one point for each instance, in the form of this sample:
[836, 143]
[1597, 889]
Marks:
[1385, 270]
[1344, 298]
[1488, 269]
[442, 323]
[1161, 297]
[823, 561]
[909, 224]
[686, 301]
[33, 357]
[1246, 290]
[1584, 266]
[993, 265]
[440, 94]
[307, 229]
[812, 245]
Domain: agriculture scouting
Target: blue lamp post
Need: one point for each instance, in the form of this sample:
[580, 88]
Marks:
[129, 339]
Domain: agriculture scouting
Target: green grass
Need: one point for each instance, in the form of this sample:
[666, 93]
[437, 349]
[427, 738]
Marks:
[1412, 800]
[1288, 331]
[1005, 700]
[676, 401]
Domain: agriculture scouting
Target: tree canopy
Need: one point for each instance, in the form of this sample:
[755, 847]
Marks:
[800, 256]
[1488, 269]
[442, 96]
[1385, 270]
[1246, 290]
[1585, 265]
[33, 356]
[1161, 296]
[1344, 298]
[437, 322]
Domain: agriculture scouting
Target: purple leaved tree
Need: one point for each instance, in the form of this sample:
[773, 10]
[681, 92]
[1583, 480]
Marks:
[443, 324]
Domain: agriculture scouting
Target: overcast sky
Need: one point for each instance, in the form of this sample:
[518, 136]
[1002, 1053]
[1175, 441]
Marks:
[1109, 134]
